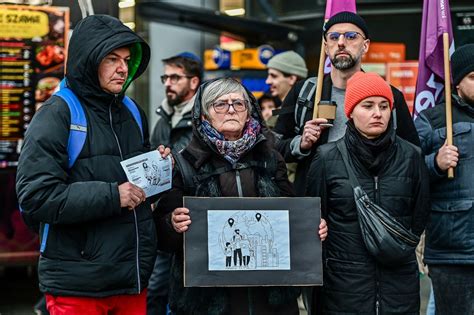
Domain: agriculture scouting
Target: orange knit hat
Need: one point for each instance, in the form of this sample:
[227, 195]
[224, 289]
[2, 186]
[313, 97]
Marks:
[363, 85]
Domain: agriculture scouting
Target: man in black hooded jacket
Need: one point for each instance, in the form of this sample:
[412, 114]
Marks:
[98, 241]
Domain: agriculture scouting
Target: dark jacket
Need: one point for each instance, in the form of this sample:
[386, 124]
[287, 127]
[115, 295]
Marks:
[354, 283]
[255, 182]
[176, 138]
[93, 247]
[286, 128]
[450, 231]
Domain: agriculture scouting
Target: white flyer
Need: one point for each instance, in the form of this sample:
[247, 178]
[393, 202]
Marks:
[149, 171]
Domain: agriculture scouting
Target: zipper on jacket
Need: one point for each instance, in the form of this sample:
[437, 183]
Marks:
[134, 213]
[377, 284]
[376, 186]
[376, 189]
[137, 258]
[112, 127]
[239, 183]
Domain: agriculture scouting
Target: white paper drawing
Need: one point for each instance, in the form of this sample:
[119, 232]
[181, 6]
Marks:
[149, 171]
[248, 240]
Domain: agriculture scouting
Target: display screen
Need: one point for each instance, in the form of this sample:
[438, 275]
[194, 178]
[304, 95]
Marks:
[32, 58]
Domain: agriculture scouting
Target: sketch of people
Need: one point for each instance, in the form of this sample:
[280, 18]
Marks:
[228, 255]
[156, 173]
[237, 239]
[150, 173]
[246, 252]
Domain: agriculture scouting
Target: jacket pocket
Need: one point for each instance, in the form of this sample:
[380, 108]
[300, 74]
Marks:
[451, 225]
[89, 250]
[462, 138]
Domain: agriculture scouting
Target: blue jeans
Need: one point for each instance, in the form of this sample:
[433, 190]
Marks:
[453, 287]
[157, 296]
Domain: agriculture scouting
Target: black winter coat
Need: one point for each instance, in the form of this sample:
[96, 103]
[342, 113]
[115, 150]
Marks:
[285, 127]
[354, 283]
[176, 138]
[92, 246]
[255, 182]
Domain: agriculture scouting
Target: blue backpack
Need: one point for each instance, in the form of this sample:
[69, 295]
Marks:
[78, 131]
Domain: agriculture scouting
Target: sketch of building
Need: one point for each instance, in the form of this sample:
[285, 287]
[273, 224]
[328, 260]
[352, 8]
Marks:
[254, 245]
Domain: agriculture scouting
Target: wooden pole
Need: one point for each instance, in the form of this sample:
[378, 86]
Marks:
[319, 84]
[447, 91]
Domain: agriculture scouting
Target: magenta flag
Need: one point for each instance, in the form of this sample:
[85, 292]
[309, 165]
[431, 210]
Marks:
[436, 20]
[336, 6]
[333, 7]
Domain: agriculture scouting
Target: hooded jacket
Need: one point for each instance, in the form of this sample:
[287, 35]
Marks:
[250, 182]
[90, 246]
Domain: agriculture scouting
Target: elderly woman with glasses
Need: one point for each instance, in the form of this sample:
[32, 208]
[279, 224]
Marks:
[232, 153]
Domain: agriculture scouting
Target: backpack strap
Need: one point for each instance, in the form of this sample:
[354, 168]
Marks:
[235, 167]
[187, 173]
[191, 177]
[304, 102]
[132, 107]
[78, 127]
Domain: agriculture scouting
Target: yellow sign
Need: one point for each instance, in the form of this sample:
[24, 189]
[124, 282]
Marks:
[23, 23]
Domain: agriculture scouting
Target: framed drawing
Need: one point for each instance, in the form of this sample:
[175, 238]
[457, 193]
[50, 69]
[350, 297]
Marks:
[252, 242]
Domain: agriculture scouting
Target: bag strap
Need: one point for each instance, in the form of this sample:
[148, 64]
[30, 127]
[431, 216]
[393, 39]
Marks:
[304, 102]
[78, 127]
[341, 146]
[187, 173]
[132, 107]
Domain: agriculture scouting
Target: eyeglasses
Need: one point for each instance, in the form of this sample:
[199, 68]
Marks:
[349, 36]
[174, 78]
[223, 106]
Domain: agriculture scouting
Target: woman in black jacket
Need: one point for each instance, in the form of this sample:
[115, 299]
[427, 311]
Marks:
[230, 142]
[392, 172]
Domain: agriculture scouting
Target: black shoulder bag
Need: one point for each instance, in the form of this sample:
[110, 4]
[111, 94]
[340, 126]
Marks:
[385, 238]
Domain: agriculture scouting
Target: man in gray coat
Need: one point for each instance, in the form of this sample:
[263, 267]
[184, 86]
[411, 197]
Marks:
[182, 77]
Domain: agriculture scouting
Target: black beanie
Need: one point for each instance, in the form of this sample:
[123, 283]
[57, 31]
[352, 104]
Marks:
[347, 17]
[462, 62]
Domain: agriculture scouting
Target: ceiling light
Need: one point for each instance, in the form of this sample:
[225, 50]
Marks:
[235, 12]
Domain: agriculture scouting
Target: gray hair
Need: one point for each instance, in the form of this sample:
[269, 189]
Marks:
[221, 87]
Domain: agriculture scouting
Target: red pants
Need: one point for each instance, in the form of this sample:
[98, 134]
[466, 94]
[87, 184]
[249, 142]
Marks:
[112, 305]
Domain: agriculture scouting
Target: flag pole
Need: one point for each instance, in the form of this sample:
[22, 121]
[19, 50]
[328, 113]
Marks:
[447, 90]
[319, 84]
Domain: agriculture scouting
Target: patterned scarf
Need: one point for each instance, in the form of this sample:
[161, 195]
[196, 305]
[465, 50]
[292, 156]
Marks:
[232, 150]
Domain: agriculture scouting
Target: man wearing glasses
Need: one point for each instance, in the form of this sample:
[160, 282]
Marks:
[346, 40]
[182, 77]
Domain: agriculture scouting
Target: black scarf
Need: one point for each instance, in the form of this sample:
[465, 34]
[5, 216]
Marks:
[371, 153]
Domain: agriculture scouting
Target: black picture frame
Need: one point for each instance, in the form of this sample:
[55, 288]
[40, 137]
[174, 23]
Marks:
[304, 244]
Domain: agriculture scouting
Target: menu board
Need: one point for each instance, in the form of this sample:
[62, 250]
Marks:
[32, 57]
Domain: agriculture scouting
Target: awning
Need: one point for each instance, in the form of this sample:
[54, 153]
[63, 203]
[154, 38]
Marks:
[251, 31]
